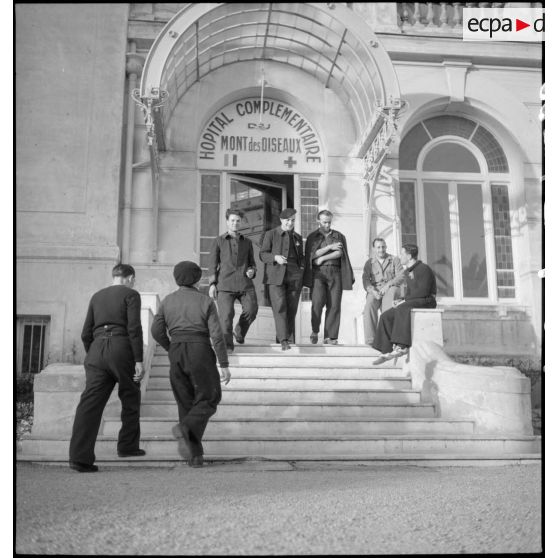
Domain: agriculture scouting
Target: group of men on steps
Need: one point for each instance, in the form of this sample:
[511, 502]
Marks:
[197, 333]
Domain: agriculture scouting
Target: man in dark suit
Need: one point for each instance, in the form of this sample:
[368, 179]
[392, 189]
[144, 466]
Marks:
[327, 273]
[113, 339]
[283, 254]
[393, 337]
[231, 269]
[191, 319]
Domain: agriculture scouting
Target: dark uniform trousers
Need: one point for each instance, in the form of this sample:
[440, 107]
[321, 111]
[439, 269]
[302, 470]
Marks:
[284, 302]
[108, 361]
[196, 386]
[225, 303]
[327, 291]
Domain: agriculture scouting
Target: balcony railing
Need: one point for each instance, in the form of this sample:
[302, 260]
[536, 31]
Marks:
[443, 18]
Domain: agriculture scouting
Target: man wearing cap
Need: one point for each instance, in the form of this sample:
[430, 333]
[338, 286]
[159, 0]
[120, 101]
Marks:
[283, 254]
[231, 269]
[190, 318]
[113, 340]
[327, 273]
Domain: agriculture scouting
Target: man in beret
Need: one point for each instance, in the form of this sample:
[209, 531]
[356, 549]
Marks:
[190, 318]
[231, 268]
[327, 273]
[283, 254]
[113, 339]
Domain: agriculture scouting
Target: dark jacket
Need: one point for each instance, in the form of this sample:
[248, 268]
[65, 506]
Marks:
[421, 284]
[276, 243]
[227, 269]
[189, 315]
[313, 243]
[119, 309]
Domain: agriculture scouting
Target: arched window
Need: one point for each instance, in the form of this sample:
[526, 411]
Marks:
[454, 204]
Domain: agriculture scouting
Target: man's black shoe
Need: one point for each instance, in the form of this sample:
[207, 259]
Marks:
[196, 461]
[83, 467]
[133, 453]
[285, 346]
[182, 433]
[238, 338]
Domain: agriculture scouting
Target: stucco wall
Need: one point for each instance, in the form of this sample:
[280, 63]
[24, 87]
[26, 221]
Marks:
[70, 61]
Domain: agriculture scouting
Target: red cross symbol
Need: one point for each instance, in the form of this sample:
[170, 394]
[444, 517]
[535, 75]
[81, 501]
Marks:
[290, 162]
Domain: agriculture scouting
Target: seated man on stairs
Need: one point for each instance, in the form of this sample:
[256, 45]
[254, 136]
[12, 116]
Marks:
[393, 337]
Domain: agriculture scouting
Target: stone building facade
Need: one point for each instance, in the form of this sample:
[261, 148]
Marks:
[139, 124]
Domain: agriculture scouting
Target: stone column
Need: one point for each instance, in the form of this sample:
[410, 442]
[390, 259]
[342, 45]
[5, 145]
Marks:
[134, 67]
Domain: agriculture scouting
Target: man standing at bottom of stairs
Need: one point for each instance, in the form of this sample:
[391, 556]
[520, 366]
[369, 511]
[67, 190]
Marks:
[113, 340]
[190, 318]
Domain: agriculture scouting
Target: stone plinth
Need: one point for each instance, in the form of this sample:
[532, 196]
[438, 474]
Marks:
[426, 325]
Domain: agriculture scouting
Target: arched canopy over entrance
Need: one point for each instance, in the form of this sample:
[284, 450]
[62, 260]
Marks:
[328, 41]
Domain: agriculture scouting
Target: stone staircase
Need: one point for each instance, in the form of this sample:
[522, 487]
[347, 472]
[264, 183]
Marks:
[315, 402]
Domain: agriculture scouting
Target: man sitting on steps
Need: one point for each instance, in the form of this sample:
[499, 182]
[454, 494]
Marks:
[393, 337]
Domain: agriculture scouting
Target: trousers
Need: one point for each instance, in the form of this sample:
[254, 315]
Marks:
[395, 324]
[284, 303]
[371, 308]
[327, 291]
[109, 361]
[196, 386]
[225, 304]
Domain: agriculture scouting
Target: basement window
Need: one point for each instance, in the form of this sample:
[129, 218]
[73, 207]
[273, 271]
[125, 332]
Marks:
[32, 336]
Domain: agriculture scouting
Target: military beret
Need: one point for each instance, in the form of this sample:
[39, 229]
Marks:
[287, 213]
[187, 273]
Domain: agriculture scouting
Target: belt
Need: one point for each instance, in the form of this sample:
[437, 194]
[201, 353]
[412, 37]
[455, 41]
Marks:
[116, 331]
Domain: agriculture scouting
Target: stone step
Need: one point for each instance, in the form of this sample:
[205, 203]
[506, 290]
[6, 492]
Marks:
[304, 412]
[427, 447]
[302, 383]
[334, 426]
[295, 397]
[299, 349]
[162, 371]
[286, 359]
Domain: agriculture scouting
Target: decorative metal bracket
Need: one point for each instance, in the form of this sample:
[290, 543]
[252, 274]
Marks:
[149, 106]
[386, 122]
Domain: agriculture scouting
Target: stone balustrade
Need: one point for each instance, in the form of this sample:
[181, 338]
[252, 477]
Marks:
[443, 18]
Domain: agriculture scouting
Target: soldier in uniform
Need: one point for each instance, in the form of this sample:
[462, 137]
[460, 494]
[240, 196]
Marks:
[327, 273]
[283, 255]
[231, 269]
[113, 340]
[190, 318]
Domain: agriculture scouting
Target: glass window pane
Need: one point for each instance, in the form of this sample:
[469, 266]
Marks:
[410, 147]
[487, 143]
[26, 351]
[408, 212]
[450, 126]
[450, 157]
[502, 241]
[438, 239]
[209, 219]
[210, 188]
[471, 232]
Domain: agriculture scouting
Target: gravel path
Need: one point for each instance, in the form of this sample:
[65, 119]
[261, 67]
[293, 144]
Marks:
[278, 508]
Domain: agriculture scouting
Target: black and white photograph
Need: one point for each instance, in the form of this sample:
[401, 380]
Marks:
[279, 278]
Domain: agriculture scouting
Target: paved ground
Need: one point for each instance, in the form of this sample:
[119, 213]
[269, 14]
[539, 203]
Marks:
[278, 508]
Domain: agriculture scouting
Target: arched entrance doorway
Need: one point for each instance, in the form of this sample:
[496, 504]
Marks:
[330, 88]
